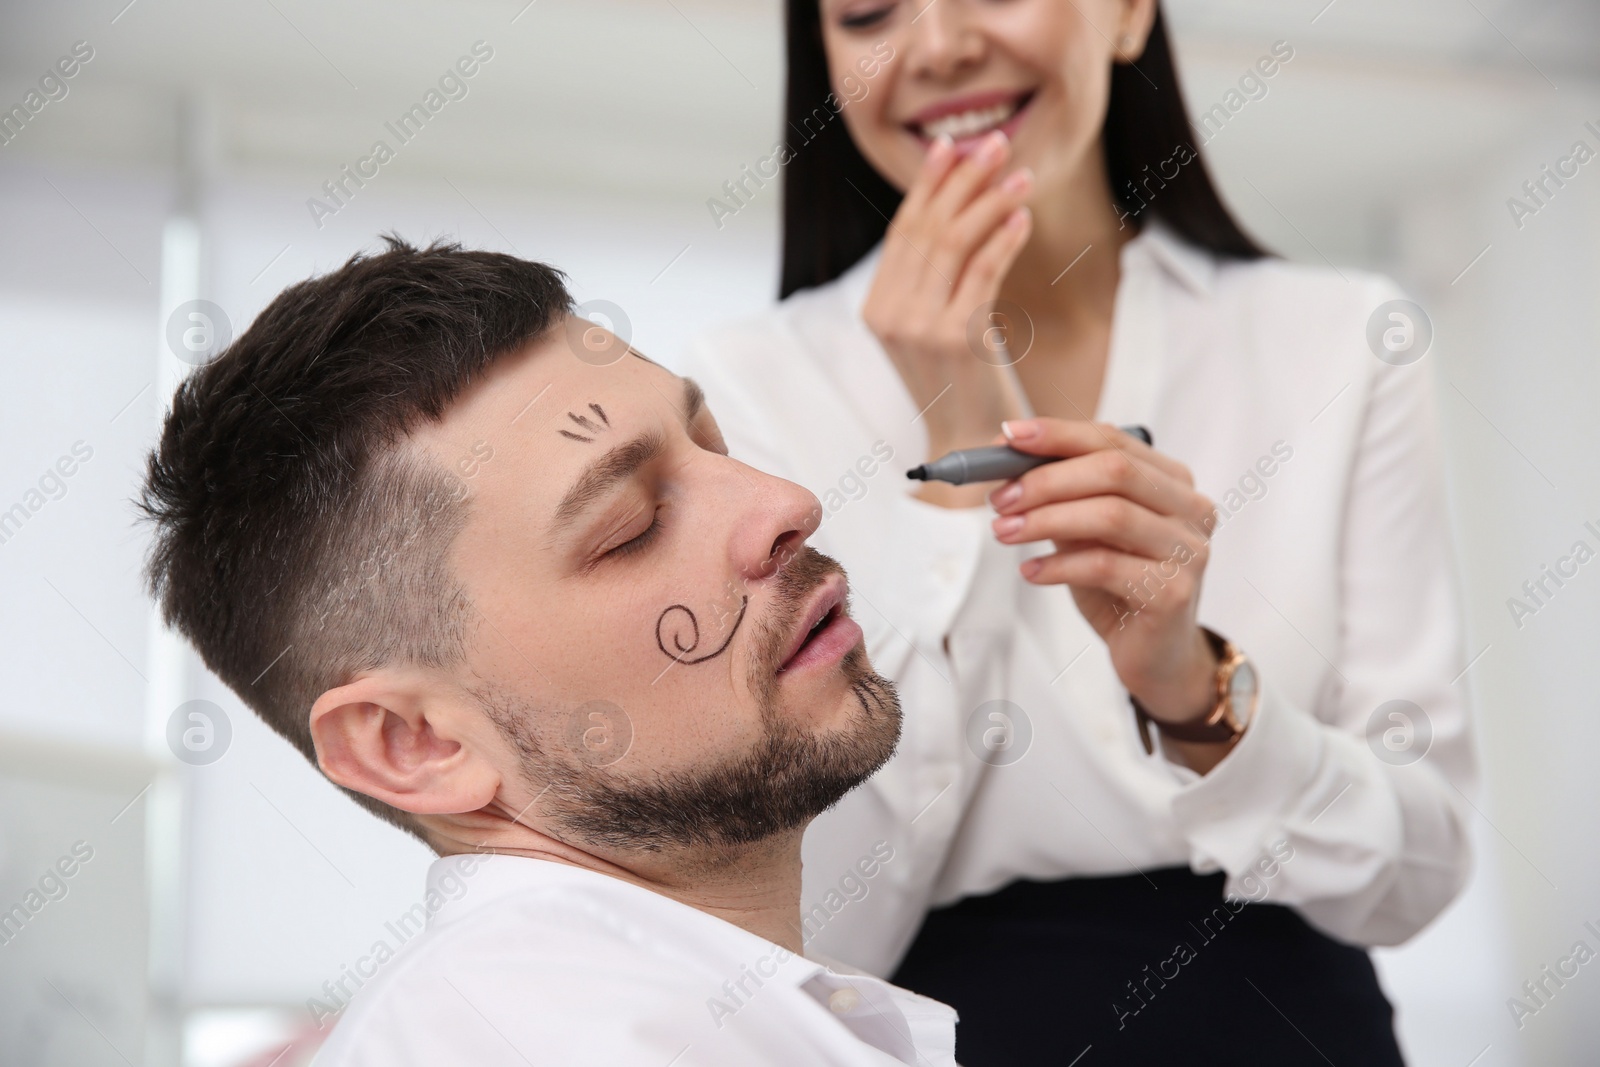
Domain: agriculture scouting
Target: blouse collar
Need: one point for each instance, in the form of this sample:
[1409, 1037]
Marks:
[1191, 267]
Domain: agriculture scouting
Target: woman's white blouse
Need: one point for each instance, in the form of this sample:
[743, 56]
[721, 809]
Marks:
[1331, 568]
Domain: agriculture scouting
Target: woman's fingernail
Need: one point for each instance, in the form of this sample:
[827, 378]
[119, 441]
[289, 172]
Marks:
[993, 147]
[1007, 495]
[1010, 524]
[940, 148]
[1019, 429]
[1031, 567]
[1018, 181]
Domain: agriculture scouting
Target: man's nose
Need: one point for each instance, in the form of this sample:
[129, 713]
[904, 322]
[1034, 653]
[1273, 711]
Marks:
[773, 520]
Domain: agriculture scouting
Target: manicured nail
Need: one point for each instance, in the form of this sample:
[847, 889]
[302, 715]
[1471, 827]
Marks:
[1031, 567]
[994, 145]
[1018, 181]
[940, 148]
[1005, 496]
[1008, 525]
[1019, 429]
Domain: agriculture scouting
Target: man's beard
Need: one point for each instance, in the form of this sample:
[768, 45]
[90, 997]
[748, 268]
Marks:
[787, 779]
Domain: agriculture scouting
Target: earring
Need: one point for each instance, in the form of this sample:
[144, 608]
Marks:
[1125, 42]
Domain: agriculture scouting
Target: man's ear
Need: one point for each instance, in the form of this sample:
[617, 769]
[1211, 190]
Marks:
[407, 739]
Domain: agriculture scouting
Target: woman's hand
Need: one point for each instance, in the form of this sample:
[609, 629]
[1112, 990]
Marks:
[1132, 541]
[947, 251]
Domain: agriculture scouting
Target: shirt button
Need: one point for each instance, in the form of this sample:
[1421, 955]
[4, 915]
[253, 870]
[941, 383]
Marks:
[843, 1001]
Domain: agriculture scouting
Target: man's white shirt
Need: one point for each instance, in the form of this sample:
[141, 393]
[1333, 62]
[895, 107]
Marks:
[528, 961]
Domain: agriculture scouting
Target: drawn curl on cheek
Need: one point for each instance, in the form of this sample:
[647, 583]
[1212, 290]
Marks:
[677, 622]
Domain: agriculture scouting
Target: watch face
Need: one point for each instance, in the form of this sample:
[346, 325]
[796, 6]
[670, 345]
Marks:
[1242, 692]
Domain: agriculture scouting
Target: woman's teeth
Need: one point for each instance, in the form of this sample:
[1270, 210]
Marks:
[968, 123]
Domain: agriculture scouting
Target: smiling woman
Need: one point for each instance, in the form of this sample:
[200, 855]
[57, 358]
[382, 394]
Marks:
[1028, 165]
[836, 203]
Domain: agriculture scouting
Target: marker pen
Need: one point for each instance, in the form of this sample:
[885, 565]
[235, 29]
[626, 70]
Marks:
[994, 463]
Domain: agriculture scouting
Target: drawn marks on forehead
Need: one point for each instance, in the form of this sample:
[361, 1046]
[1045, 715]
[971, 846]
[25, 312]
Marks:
[589, 426]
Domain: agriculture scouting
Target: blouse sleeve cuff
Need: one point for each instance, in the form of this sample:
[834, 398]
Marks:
[1229, 813]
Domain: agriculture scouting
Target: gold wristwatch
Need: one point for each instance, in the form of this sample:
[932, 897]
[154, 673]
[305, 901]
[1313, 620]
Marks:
[1238, 692]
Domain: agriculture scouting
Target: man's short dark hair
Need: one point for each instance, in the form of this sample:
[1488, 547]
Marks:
[295, 542]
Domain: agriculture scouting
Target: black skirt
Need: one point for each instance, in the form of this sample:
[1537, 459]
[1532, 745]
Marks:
[1150, 968]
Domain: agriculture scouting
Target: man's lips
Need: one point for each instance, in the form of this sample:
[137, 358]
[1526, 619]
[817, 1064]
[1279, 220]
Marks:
[824, 631]
[971, 114]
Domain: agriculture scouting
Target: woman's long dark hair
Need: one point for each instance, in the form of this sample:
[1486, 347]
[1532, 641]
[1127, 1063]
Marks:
[836, 207]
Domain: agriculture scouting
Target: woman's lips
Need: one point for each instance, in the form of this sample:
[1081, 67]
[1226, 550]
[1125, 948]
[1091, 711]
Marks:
[967, 119]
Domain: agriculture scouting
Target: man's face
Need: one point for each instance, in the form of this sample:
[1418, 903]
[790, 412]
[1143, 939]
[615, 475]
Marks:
[645, 639]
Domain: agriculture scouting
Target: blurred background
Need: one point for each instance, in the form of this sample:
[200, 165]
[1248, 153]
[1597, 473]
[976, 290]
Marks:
[193, 893]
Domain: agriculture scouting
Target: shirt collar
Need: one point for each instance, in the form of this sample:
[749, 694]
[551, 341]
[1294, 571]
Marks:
[1191, 267]
[855, 282]
[894, 1020]
[463, 884]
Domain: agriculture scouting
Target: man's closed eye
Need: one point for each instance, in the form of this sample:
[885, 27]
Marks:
[639, 542]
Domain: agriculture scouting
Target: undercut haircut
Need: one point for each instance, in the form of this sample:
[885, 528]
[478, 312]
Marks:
[296, 541]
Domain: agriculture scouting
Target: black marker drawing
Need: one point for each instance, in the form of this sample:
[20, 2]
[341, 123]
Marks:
[867, 692]
[694, 631]
[587, 424]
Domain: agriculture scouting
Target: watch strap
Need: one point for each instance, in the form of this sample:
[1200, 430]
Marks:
[1216, 727]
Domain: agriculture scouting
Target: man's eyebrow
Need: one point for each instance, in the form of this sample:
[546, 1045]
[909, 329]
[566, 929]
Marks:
[694, 402]
[617, 465]
[622, 462]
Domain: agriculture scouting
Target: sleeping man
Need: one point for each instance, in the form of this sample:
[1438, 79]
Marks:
[496, 575]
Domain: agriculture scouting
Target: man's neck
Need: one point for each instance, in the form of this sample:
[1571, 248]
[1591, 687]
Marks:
[755, 887]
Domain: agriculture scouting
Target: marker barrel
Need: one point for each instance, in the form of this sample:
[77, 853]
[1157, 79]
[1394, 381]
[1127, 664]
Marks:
[992, 463]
